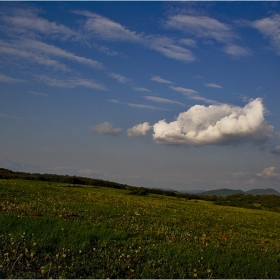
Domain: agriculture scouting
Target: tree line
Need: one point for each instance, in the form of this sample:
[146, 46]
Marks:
[262, 202]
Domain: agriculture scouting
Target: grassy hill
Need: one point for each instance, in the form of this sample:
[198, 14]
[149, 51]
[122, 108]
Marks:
[57, 230]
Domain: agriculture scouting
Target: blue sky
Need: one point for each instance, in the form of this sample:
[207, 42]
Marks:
[180, 95]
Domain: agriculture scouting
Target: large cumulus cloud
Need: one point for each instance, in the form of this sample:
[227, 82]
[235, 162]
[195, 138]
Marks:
[215, 124]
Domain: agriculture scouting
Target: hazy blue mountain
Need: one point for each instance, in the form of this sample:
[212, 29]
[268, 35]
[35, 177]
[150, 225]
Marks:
[192, 191]
[226, 192]
[222, 192]
[262, 191]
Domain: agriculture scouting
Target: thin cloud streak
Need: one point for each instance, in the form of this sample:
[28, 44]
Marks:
[184, 90]
[134, 105]
[106, 29]
[158, 79]
[72, 83]
[162, 100]
[270, 28]
[201, 26]
[213, 85]
[141, 89]
[26, 22]
[9, 117]
[38, 52]
[6, 79]
[119, 78]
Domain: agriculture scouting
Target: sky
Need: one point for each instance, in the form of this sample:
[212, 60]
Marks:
[171, 95]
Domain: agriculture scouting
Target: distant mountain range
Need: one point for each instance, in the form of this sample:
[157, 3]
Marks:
[192, 191]
[226, 192]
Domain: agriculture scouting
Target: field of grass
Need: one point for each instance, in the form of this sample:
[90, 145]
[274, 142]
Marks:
[51, 230]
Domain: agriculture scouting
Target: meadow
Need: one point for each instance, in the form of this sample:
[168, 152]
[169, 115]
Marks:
[55, 230]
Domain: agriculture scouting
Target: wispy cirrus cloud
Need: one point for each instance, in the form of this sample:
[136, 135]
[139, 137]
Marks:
[9, 116]
[184, 90]
[169, 48]
[41, 47]
[41, 53]
[236, 51]
[72, 83]
[162, 100]
[143, 106]
[135, 105]
[141, 89]
[6, 79]
[213, 85]
[27, 22]
[270, 28]
[158, 79]
[14, 53]
[193, 94]
[119, 78]
[208, 28]
[201, 26]
[188, 42]
[109, 30]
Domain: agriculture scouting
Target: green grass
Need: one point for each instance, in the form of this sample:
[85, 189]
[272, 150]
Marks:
[57, 231]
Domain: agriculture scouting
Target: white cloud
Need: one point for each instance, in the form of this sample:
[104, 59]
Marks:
[193, 94]
[188, 42]
[160, 80]
[270, 28]
[268, 173]
[208, 28]
[162, 100]
[41, 53]
[105, 128]
[26, 22]
[215, 124]
[142, 106]
[119, 78]
[201, 26]
[276, 150]
[15, 52]
[108, 29]
[6, 79]
[236, 51]
[141, 89]
[41, 47]
[203, 99]
[115, 101]
[213, 85]
[139, 130]
[72, 83]
[184, 90]
[168, 48]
